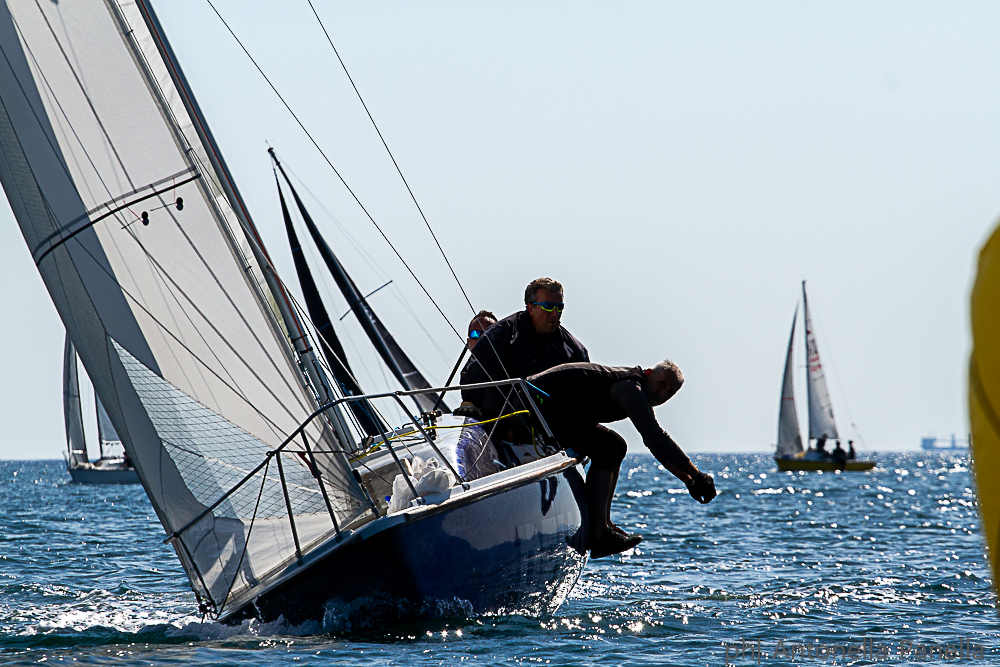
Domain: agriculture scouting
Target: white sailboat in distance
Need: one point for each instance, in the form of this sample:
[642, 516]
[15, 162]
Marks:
[790, 454]
[112, 465]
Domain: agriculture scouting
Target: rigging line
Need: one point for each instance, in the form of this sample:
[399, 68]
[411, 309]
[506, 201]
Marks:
[56, 152]
[181, 343]
[235, 385]
[369, 260]
[90, 159]
[335, 171]
[391, 157]
[309, 327]
[86, 95]
[246, 544]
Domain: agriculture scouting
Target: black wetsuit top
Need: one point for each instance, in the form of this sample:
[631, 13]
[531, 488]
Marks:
[585, 394]
[511, 349]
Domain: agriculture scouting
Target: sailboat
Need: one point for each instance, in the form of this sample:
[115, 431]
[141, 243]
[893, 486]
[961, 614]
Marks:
[278, 498]
[790, 454]
[109, 468]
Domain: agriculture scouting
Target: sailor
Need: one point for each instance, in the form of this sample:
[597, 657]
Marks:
[527, 342]
[576, 399]
[821, 444]
[471, 398]
[839, 455]
[851, 454]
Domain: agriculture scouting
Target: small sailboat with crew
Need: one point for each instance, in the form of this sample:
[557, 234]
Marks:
[112, 466]
[280, 484]
[790, 454]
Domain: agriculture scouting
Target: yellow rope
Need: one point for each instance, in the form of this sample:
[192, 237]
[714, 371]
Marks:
[398, 436]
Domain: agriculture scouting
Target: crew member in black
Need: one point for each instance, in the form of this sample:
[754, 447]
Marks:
[839, 455]
[525, 343]
[471, 398]
[576, 399]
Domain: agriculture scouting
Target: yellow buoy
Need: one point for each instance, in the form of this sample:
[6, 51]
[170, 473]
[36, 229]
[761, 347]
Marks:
[984, 392]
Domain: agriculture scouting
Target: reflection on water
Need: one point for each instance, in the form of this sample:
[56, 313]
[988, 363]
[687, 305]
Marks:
[880, 558]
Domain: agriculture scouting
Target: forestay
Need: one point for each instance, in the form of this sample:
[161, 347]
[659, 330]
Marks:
[821, 420]
[109, 171]
[76, 442]
[789, 437]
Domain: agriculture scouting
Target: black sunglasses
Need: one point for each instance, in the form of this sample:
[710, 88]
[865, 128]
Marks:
[549, 306]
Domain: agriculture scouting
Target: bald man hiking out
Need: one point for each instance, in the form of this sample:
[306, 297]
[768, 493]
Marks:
[577, 399]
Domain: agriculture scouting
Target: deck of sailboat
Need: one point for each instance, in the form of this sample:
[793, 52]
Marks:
[798, 463]
[512, 541]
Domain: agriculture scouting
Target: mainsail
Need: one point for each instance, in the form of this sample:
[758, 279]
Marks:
[106, 433]
[76, 442]
[821, 420]
[142, 242]
[392, 354]
[789, 437]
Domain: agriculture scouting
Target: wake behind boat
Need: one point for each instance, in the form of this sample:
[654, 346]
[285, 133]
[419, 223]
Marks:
[111, 467]
[790, 454]
[283, 491]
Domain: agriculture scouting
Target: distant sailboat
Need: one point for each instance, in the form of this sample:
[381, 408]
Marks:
[790, 454]
[108, 468]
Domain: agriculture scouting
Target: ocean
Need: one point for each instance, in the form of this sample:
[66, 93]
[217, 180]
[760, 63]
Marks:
[886, 566]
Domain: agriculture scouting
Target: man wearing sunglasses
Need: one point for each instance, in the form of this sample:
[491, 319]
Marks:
[577, 399]
[527, 342]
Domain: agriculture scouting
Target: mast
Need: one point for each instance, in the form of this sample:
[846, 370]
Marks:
[76, 442]
[334, 351]
[132, 221]
[821, 421]
[789, 437]
[293, 326]
[392, 354]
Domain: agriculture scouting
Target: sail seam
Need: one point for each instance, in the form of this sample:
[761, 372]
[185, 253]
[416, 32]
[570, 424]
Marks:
[93, 222]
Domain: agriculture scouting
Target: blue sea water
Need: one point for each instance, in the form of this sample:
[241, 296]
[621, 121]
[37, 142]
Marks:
[890, 560]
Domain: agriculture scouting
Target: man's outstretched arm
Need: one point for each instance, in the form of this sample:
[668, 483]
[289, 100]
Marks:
[629, 396]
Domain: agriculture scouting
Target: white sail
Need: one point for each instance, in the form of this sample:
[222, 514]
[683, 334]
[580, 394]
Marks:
[106, 433]
[821, 420]
[119, 194]
[76, 443]
[789, 436]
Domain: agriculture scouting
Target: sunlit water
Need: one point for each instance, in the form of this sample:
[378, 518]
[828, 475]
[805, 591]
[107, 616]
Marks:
[892, 558]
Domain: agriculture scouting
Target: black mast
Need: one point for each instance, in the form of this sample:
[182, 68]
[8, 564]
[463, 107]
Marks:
[393, 356]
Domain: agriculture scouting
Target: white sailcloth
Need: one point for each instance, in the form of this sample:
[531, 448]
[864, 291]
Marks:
[789, 436]
[106, 433]
[821, 420]
[116, 185]
[76, 442]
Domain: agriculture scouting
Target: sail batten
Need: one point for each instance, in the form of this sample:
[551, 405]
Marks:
[821, 421]
[789, 436]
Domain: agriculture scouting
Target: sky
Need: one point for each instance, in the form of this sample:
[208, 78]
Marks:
[680, 167]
